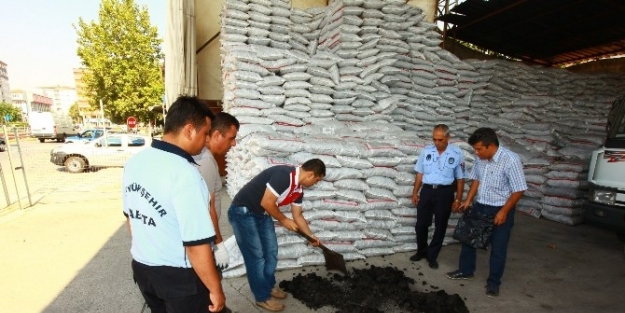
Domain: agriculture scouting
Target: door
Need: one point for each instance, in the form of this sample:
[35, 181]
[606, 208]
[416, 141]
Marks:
[108, 151]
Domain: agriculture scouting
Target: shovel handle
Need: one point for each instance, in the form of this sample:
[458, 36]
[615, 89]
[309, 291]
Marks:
[310, 239]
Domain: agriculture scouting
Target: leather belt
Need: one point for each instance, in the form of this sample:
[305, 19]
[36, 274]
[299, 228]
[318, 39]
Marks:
[436, 186]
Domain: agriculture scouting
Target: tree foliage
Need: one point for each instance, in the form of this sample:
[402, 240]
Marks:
[122, 59]
[74, 113]
[8, 109]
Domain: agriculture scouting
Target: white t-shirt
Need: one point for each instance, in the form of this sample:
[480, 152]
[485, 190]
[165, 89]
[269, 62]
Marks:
[210, 172]
[165, 199]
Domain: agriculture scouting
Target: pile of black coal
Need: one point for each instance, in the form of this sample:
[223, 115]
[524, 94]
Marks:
[372, 290]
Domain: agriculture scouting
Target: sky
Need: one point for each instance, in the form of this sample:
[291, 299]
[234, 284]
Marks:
[38, 40]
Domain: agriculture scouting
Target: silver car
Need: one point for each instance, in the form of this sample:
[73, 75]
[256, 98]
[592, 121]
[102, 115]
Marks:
[112, 150]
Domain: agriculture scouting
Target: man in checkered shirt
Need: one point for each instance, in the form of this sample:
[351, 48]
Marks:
[499, 183]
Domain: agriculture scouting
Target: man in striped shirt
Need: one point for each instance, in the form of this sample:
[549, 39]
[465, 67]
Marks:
[499, 183]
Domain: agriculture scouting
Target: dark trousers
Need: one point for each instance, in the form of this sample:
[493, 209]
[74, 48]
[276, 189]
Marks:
[499, 246]
[437, 203]
[170, 289]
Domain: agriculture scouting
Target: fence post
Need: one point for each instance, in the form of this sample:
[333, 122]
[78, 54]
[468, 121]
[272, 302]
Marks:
[19, 152]
[17, 190]
[4, 182]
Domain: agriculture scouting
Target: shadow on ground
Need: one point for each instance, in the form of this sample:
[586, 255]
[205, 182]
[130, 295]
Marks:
[105, 284]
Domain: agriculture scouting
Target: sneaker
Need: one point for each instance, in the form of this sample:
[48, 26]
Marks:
[457, 274]
[492, 291]
[272, 305]
[278, 293]
[416, 257]
[433, 264]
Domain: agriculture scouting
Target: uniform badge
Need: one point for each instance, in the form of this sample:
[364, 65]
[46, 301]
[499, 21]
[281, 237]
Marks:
[451, 160]
[428, 157]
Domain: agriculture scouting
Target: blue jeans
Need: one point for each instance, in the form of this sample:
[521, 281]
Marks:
[256, 237]
[499, 247]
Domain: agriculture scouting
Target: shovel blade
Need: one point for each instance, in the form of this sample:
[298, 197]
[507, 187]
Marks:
[334, 261]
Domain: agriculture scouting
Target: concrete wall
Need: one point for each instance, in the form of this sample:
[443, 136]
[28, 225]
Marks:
[207, 16]
[428, 7]
[603, 66]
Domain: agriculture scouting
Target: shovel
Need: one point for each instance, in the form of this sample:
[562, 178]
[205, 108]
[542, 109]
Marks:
[334, 260]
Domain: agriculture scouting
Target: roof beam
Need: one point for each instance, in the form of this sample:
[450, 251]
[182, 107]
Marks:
[489, 15]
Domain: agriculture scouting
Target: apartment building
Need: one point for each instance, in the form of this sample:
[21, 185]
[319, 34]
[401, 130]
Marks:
[63, 97]
[29, 101]
[5, 90]
[81, 94]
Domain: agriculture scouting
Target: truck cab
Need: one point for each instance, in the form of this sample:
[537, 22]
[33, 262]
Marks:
[605, 206]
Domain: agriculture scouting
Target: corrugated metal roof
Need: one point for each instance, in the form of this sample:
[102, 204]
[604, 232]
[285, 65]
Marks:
[547, 32]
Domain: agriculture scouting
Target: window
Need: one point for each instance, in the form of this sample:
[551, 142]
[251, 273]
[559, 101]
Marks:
[136, 141]
[113, 141]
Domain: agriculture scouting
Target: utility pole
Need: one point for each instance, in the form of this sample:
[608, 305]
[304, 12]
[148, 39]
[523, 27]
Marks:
[102, 112]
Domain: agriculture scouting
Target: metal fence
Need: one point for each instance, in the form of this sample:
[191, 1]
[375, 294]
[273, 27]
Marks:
[27, 175]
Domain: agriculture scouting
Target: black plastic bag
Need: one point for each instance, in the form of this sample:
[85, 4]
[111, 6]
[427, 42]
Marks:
[475, 229]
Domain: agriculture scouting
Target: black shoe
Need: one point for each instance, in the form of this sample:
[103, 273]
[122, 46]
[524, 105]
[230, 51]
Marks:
[433, 264]
[457, 274]
[492, 291]
[416, 257]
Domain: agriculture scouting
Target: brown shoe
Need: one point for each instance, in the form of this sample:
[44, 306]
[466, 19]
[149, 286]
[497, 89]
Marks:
[271, 305]
[278, 293]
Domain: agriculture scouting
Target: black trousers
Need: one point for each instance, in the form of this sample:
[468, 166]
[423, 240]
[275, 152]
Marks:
[433, 203]
[170, 289]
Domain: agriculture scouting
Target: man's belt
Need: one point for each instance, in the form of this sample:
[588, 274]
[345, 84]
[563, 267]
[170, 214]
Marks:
[436, 186]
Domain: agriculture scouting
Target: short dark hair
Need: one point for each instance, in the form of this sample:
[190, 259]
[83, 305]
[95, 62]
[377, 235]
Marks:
[316, 166]
[185, 110]
[485, 135]
[223, 121]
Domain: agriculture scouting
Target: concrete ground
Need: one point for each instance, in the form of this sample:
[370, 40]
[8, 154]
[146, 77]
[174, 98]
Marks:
[70, 253]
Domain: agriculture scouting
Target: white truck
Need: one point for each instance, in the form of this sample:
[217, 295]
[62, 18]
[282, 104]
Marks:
[605, 206]
[46, 125]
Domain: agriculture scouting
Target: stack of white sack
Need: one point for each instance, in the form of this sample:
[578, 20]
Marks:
[363, 206]
[565, 190]
[555, 121]
[352, 61]
[393, 79]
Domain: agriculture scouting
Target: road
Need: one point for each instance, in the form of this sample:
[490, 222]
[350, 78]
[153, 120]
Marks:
[43, 177]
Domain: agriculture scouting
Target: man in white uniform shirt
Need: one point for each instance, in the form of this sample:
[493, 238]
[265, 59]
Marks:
[164, 201]
[221, 138]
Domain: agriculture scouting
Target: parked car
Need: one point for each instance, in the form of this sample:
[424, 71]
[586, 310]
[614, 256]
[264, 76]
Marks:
[112, 150]
[3, 145]
[87, 135]
[48, 125]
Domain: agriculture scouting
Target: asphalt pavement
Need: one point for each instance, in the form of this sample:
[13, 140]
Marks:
[70, 253]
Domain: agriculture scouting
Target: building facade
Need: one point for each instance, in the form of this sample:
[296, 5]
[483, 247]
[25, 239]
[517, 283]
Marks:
[5, 89]
[81, 95]
[63, 97]
[29, 101]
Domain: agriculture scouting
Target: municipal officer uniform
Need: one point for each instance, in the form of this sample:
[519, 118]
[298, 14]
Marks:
[436, 196]
[167, 211]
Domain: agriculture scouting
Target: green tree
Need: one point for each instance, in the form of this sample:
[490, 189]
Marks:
[74, 113]
[13, 112]
[122, 58]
